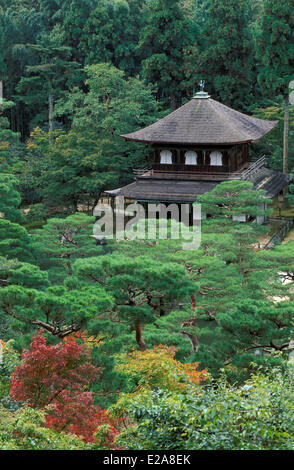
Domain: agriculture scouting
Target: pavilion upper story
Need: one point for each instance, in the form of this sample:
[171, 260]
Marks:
[197, 146]
[203, 136]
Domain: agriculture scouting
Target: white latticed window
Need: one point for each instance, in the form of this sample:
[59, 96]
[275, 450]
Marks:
[190, 158]
[216, 159]
[166, 157]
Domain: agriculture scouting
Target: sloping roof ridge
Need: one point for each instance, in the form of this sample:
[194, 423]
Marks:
[176, 111]
[265, 181]
[215, 104]
[158, 121]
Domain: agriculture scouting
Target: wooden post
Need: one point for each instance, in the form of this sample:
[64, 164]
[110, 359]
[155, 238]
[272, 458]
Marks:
[286, 136]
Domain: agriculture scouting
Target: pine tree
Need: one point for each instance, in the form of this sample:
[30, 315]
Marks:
[14, 241]
[61, 241]
[59, 311]
[139, 286]
[10, 198]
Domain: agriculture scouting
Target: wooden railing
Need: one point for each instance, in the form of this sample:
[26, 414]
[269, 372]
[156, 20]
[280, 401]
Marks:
[141, 171]
[280, 234]
[254, 168]
[173, 172]
[193, 174]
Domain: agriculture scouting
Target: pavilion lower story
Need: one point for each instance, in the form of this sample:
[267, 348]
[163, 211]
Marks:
[185, 190]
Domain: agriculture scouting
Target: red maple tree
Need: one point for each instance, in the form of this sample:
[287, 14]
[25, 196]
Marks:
[57, 377]
[78, 415]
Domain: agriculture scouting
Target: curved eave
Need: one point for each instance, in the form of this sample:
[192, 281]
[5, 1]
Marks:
[131, 137]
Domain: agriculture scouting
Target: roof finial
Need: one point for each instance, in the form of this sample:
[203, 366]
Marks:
[202, 85]
[202, 94]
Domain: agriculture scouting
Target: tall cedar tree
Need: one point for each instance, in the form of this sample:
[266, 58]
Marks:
[2, 65]
[163, 41]
[92, 157]
[73, 16]
[49, 76]
[111, 34]
[23, 25]
[226, 62]
[276, 49]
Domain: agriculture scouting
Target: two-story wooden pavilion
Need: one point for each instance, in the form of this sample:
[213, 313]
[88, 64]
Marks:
[195, 148]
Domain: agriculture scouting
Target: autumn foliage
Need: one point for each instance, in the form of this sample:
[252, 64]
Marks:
[77, 414]
[158, 367]
[84, 337]
[47, 371]
[57, 377]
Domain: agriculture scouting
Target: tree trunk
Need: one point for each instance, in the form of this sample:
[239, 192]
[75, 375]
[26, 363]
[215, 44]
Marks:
[286, 136]
[161, 311]
[141, 343]
[1, 91]
[193, 339]
[173, 102]
[194, 305]
[51, 111]
[95, 202]
[75, 203]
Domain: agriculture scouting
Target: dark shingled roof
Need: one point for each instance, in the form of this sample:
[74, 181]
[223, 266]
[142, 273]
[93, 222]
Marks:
[164, 190]
[204, 121]
[177, 190]
[270, 181]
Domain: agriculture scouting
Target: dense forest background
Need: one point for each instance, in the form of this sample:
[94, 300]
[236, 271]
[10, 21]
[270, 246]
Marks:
[138, 344]
[88, 70]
